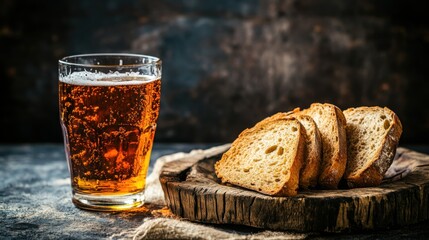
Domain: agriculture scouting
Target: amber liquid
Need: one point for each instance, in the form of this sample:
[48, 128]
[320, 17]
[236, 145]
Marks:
[108, 132]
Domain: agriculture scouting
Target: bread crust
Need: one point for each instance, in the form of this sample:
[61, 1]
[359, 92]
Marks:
[373, 172]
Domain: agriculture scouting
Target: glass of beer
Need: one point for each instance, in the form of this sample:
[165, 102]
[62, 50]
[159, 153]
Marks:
[109, 105]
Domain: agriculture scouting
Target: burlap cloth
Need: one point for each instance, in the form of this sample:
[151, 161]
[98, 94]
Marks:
[170, 228]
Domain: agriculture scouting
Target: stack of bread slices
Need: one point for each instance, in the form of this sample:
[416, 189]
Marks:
[313, 148]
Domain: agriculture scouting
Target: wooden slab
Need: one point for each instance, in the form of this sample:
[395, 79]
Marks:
[193, 191]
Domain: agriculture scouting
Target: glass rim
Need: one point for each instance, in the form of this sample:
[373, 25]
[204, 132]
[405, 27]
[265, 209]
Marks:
[154, 60]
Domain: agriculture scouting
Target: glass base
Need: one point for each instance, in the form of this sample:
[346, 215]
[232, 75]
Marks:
[108, 203]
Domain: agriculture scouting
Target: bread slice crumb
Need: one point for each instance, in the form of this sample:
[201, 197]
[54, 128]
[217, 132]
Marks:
[310, 170]
[373, 134]
[266, 158]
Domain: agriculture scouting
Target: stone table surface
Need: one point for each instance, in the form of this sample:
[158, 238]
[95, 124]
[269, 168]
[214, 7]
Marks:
[35, 199]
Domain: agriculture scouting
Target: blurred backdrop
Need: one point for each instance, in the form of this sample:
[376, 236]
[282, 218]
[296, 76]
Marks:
[226, 64]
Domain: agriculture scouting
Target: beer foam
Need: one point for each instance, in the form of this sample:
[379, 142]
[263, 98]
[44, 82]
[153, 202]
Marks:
[106, 79]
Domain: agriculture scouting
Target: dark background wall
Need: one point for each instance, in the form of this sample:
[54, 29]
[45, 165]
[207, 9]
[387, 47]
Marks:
[226, 64]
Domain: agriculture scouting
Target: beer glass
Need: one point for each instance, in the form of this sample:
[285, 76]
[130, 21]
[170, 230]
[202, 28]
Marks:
[109, 105]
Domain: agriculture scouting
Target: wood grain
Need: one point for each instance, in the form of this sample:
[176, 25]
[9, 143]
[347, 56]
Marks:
[193, 191]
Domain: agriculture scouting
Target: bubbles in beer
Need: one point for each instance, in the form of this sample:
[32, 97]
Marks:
[110, 120]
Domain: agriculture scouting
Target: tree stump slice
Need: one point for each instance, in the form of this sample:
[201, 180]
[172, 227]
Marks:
[192, 191]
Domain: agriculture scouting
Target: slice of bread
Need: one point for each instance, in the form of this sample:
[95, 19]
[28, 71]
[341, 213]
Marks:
[313, 153]
[266, 158]
[373, 134]
[312, 150]
[331, 124]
